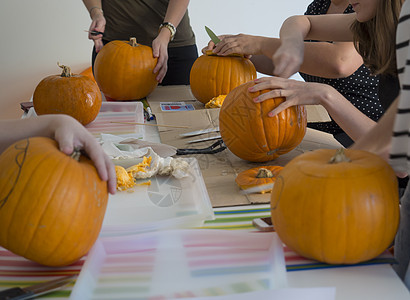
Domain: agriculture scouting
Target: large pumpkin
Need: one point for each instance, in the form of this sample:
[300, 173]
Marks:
[213, 75]
[124, 70]
[250, 134]
[51, 205]
[341, 209]
[74, 95]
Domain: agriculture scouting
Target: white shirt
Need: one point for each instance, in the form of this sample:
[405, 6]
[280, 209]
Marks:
[400, 152]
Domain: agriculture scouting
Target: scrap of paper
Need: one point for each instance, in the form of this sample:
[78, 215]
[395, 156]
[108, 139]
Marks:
[176, 106]
[325, 293]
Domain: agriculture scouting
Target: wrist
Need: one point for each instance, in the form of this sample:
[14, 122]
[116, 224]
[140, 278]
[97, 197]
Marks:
[326, 95]
[95, 11]
[169, 27]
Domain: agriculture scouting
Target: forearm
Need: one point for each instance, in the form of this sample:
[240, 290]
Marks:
[14, 130]
[323, 59]
[378, 138]
[294, 30]
[345, 114]
[93, 7]
[330, 60]
[175, 11]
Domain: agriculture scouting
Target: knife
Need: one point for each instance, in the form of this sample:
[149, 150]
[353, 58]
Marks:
[205, 139]
[35, 290]
[212, 35]
[199, 132]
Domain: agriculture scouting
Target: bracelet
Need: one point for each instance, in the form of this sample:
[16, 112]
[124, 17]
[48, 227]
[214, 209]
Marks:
[91, 9]
[170, 27]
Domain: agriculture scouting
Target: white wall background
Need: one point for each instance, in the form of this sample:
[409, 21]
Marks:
[35, 35]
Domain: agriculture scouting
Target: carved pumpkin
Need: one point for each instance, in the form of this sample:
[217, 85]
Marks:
[213, 75]
[261, 178]
[336, 210]
[124, 70]
[51, 205]
[74, 95]
[250, 134]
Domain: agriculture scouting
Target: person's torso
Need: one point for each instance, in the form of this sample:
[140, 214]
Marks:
[360, 88]
[141, 19]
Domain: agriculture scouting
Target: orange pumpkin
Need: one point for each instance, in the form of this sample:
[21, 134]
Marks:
[261, 178]
[337, 209]
[124, 70]
[250, 134]
[51, 205]
[74, 95]
[89, 73]
[213, 75]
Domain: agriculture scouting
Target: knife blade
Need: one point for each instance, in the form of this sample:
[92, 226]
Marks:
[35, 290]
[199, 132]
[205, 139]
[212, 35]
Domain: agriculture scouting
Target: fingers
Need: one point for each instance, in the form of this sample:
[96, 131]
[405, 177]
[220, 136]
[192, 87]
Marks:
[102, 163]
[98, 45]
[70, 135]
[278, 109]
[160, 50]
[277, 87]
[161, 68]
[210, 46]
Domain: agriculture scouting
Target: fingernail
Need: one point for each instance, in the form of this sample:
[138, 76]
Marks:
[256, 100]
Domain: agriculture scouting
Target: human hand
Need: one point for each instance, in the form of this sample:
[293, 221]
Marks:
[160, 50]
[296, 92]
[97, 24]
[288, 58]
[211, 45]
[236, 44]
[70, 135]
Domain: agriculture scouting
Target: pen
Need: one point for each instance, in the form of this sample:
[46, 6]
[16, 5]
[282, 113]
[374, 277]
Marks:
[147, 108]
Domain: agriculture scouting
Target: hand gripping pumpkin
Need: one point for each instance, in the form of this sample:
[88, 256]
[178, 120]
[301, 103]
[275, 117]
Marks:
[51, 205]
[337, 209]
[250, 134]
[74, 95]
[213, 75]
[124, 70]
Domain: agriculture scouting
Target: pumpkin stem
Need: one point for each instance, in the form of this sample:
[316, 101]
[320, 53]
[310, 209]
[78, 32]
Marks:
[76, 154]
[339, 157]
[66, 70]
[133, 42]
[264, 173]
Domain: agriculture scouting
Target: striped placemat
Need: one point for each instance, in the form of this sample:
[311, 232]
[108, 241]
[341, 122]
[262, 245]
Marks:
[241, 217]
[17, 271]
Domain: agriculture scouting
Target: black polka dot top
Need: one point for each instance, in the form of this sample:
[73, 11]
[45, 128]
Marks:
[361, 89]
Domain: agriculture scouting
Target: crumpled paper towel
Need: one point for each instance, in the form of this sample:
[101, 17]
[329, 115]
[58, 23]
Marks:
[127, 152]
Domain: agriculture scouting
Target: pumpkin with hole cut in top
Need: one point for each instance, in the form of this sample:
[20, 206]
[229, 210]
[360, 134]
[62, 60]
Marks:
[250, 134]
[74, 95]
[213, 75]
[124, 70]
[335, 207]
[259, 179]
[51, 205]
